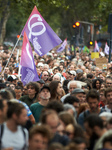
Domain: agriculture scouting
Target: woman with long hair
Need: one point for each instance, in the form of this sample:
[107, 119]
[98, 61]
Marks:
[56, 90]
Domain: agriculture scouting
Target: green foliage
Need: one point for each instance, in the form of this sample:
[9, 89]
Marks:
[60, 14]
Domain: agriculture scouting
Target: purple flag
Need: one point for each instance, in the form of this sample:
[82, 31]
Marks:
[40, 33]
[62, 47]
[28, 69]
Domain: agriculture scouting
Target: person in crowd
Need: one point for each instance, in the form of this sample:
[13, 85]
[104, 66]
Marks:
[51, 119]
[97, 84]
[79, 93]
[92, 100]
[56, 90]
[71, 86]
[3, 110]
[108, 95]
[36, 108]
[39, 137]
[13, 134]
[103, 100]
[108, 82]
[73, 101]
[94, 128]
[33, 90]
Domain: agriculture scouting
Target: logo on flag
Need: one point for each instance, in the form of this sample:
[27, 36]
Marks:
[40, 33]
[62, 47]
[28, 69]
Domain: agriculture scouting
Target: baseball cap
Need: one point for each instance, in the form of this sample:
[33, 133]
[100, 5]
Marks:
[72, 72]
[45, 87]
[79, 71]
[40, 64]
[77, 90]
[41, 81]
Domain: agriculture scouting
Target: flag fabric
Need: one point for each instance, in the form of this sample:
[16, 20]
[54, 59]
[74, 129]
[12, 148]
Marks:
[40, 34]
[62, 47]
[28, 69]
[106, 49]
[85, 49]
[96, 49]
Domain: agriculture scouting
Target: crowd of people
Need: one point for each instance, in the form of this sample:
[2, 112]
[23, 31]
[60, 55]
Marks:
[69, 108]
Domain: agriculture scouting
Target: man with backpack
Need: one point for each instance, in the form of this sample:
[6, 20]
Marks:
[12, 134]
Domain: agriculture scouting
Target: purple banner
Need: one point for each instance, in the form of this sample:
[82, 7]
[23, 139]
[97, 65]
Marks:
[28, 69]
[40, 34]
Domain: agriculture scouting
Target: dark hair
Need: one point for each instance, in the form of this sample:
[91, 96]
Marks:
[67, 118]
[1, 104]
[90, 76]
[35, 85]
[11, 91]
[53, 89]
[41, 129]
[55, 105]
[92, 94]
[71, 99]
[18, 87]
[107, 90]
[94, 82]
[107, 139]
[94, 120]
[14, 108]
[44, 115]
[65, 82]
[6, 94]
[79, 140]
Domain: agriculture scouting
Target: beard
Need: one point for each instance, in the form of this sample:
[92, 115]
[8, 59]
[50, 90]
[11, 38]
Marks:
[45, 97]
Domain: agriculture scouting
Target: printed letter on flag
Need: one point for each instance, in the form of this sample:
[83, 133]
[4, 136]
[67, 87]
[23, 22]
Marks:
[28, 69]
[40, 33]
[62, 47]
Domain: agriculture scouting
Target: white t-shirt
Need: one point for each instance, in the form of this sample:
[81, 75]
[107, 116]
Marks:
[14, 139]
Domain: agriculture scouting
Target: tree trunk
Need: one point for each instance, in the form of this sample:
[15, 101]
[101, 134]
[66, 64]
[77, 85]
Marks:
[3, 20]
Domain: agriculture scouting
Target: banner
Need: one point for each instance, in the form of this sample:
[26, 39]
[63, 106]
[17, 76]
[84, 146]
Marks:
[101, 62]
[94, 55]
[28, 69]
[62, 47]
[40, 33]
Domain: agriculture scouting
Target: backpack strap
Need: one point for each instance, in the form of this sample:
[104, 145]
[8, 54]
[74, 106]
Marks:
[24, 134]
[1, 134]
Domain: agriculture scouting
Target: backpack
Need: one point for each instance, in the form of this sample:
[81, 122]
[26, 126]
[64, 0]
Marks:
[1, 134]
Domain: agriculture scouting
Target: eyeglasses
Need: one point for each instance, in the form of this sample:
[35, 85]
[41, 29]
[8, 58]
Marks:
[46, 75]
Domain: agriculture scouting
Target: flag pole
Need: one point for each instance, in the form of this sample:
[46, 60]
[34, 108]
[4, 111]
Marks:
[11, 55]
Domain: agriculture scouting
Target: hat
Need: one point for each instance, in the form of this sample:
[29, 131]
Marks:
[62, 61]
[72, 72]
[40, 64]
[42, 60]
[79, 71]
[77, 90]
[45, 87]
[12, 78]
[41, 81]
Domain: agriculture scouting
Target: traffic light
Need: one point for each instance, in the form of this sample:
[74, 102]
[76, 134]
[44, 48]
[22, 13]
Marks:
[91, 43]
[77, 24]
[18, 36]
